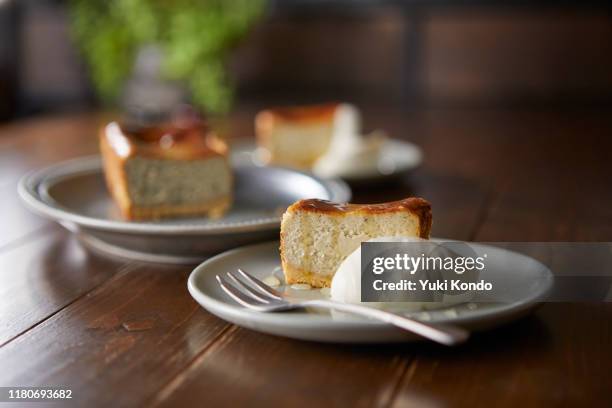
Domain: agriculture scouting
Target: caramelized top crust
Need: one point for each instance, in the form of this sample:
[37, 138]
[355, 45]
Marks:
[296, 115]
[418, 206]
[179, 141]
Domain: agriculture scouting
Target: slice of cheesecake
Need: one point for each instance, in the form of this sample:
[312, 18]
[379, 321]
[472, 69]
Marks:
[317, 235]
[169, 170]
[295, 136]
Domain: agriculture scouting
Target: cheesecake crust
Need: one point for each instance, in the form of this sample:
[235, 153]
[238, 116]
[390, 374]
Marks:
[298, 275]
[212, 209]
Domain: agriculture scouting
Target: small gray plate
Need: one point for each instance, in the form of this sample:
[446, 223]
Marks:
[527, 280]
[74, 194]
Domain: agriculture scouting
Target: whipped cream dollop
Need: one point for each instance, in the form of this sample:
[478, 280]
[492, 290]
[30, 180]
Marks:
[346, 284]
[350, 152]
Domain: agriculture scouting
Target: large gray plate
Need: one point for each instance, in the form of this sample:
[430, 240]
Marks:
[74, 194]
[525, 281]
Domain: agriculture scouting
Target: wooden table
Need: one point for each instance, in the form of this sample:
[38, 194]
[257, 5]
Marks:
[123, 333]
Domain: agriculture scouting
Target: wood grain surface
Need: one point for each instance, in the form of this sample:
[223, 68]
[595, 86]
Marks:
[123, 333]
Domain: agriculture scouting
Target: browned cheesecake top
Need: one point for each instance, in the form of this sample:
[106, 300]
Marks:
[297, 114]
[420, 207]
[186, 140]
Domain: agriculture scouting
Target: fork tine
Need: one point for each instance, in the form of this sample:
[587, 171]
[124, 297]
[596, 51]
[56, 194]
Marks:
[237, 295]
[260, 285]
[247, 290]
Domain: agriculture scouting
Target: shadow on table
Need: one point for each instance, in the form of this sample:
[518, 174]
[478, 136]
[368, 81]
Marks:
[65, 270]
[529, 332]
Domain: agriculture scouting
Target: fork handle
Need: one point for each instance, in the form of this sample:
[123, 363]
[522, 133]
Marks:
[441, 333]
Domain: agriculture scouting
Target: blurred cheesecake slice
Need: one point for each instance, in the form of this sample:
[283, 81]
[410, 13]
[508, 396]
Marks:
[317, 235]
[295, 136]
[170, 170]
[326, 139]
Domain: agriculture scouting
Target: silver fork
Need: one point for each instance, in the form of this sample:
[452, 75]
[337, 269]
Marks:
[252, 293]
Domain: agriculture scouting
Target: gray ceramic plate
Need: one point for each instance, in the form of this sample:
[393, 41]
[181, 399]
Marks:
[525, 281]
[74, 194]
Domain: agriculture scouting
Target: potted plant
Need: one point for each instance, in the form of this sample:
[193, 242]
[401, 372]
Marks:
[143, 53]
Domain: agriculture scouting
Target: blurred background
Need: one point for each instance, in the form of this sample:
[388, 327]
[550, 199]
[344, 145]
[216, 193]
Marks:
[58, 56]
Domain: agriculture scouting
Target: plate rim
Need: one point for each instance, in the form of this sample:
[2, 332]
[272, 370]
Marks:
[29, 184]
[324, 322]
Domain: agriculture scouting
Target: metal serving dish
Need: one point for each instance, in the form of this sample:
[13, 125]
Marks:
[73, 193]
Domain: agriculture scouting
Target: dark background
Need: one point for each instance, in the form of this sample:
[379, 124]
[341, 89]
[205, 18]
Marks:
[417, 54]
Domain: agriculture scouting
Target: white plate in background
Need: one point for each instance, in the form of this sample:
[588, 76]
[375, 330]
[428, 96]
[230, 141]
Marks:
[396, 158]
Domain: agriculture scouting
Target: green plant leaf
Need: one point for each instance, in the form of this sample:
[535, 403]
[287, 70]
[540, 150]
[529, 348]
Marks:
[195, 36]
